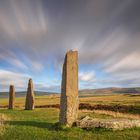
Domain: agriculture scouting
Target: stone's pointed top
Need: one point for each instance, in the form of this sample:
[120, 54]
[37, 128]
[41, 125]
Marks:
[72, 51]
[11, 87]
[30, 80]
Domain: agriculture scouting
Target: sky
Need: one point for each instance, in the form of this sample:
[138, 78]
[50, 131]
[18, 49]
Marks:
[36, 34]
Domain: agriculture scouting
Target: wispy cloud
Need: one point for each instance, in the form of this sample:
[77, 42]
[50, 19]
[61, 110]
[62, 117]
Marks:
[11, 58]
[47, 87]
[127, 64]
[18, 79]
[34, 36]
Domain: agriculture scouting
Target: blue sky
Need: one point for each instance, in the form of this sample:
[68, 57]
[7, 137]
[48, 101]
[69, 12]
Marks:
[36, 34]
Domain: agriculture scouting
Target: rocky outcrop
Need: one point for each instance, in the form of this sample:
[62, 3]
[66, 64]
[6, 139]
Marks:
[30, 99]
[11, 97]
[69, 90]
[116, 124]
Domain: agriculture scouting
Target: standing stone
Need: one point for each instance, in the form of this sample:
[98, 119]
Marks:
[11, 97]
[69, 90]
[29, 104]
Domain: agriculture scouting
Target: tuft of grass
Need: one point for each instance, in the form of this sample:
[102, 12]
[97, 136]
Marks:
[4, 117]
[3, 126]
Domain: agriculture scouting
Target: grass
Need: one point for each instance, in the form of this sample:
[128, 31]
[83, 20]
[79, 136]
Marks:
[40, 124]
[122, 99]
[117, 114]
[114, 99]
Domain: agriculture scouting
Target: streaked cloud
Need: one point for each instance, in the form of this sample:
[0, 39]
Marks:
[128, 63]
[35, 34]
[18, 79]
[47, 87]
[11, 58]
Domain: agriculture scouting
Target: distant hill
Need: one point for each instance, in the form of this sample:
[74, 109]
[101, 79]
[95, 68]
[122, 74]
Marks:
[84, 92]
[110, 91]
[23, 94]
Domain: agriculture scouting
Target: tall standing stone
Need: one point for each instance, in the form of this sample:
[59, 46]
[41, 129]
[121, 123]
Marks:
[11, 97]
[69, 90]
[30, 99]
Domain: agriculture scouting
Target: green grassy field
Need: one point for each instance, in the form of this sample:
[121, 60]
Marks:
[40, 124]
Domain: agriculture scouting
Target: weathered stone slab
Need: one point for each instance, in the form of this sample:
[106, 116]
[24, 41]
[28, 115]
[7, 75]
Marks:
[30, 99]
[11, 97]
[116, 124]
[69, 90]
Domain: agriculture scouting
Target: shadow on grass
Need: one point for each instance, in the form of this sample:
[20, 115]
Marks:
[58, 127]
[47, 125]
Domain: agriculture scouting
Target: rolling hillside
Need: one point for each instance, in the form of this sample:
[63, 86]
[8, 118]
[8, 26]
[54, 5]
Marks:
[85, 92]
[110, 91]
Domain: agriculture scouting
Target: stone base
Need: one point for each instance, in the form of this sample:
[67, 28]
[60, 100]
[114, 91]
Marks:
[116, 124]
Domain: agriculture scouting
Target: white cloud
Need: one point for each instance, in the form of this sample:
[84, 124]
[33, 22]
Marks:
[130, 62]
[87, 76]
[18, 79]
